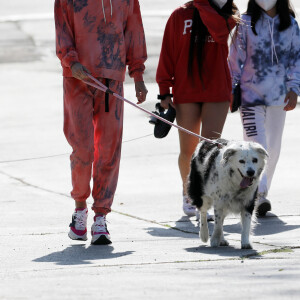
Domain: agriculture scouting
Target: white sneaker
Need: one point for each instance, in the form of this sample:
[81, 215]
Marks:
[189, 209]
[100, 234]
[78, 225]
[263, 205]
[210, 217]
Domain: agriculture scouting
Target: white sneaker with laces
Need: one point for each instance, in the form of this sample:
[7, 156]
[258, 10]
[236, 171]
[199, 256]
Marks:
[78, 229]
[188, 208]
[100, 234]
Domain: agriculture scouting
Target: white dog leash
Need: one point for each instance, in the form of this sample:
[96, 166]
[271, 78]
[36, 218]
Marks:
[100, 86]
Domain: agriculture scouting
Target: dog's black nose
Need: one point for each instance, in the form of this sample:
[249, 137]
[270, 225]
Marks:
[250, 172]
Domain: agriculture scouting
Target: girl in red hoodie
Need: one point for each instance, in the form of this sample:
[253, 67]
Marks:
[193, 63]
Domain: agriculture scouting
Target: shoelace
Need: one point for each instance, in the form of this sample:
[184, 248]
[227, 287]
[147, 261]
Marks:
[81, 220]
[100, 224]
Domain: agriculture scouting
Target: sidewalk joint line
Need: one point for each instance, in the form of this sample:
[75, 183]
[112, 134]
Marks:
[63, 154]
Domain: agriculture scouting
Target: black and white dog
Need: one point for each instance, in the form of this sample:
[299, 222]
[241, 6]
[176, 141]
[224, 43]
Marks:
[227, 179]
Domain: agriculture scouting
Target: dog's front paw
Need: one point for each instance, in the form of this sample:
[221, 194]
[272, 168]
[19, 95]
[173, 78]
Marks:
[224, 243]
[247, 246]
[214, 242]
[204, 235]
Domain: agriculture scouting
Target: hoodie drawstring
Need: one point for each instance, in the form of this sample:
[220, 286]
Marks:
[272, 42]
[111, 10]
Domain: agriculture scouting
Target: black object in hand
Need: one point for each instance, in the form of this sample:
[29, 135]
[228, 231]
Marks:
[161, 129]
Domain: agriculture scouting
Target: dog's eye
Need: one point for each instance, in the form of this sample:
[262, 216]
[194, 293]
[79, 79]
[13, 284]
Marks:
[254, 160]
[241, 161]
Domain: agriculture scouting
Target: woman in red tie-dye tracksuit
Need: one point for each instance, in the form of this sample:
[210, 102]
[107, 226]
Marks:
[100, 38]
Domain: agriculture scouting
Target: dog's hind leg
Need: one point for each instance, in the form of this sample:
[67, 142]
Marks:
[246, 228]
[217, 236]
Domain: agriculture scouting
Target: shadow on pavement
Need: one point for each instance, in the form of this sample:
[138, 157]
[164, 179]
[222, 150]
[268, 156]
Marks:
[222, 251]
[271, 224]
[184, 228]
[79, 254]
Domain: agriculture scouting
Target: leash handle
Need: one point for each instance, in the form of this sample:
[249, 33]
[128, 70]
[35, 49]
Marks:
[100, 86]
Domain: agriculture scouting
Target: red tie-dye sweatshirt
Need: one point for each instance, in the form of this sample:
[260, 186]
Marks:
[104, 36]
[172, 69]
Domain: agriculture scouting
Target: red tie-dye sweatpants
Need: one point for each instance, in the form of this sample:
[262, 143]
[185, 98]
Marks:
[96, 138]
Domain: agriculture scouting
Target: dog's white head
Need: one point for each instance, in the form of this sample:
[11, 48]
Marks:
[245, 162]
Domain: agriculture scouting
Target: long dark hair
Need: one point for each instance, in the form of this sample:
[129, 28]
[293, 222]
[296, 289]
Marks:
[283, 8]
[200, 33]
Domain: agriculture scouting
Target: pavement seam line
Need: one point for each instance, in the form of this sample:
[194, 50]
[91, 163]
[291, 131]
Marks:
[63, 154]
[29, 37]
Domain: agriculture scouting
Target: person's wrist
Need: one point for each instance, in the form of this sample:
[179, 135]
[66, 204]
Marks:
[164, 96]
[138, 77]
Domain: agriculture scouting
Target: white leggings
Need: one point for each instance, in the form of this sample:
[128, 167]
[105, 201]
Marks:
[264, 125]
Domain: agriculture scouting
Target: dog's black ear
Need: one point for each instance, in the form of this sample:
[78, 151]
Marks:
[227, 154]
[195, 185]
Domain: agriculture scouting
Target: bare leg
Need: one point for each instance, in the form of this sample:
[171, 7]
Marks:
[188, 116]
[213, 118]
[80, 204]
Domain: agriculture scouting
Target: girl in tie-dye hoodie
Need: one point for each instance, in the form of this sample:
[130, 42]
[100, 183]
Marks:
[265, 61]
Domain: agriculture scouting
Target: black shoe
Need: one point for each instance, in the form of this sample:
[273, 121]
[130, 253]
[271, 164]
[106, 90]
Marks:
[264, 205]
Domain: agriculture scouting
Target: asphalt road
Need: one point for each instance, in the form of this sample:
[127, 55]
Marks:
[27, 30]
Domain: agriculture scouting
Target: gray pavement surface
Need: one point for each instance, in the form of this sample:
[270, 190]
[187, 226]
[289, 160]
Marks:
[156, 251]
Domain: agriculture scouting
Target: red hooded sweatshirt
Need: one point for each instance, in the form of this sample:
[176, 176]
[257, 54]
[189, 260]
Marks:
[173, 63]
[103, 35]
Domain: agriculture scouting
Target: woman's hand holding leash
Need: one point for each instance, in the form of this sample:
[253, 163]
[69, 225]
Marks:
[291, 100]
[166, 102]
[79, 71]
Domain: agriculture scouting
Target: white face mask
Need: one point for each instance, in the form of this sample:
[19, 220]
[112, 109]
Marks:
[266, 4]
[220, 3]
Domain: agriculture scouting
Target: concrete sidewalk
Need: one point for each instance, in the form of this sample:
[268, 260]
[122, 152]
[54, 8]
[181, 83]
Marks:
[156, 251]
